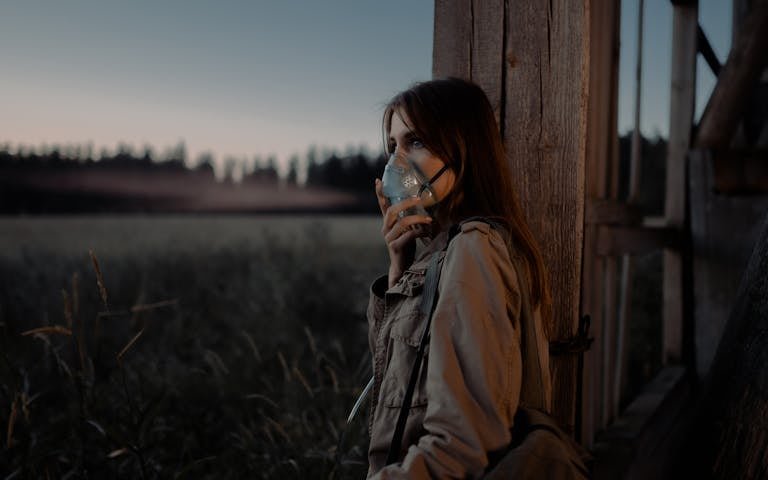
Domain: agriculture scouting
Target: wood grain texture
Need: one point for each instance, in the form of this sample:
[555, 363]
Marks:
[611, 212]
[545, 135]
[531, 58]
[601, 132]
[682, 97]
[452, 52]
[621, 240]
[487, 51]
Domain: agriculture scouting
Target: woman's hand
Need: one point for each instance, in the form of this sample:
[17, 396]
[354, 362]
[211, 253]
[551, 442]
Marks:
[400, 232]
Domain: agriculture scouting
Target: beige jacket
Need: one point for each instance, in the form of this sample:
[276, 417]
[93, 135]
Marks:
[470, 383]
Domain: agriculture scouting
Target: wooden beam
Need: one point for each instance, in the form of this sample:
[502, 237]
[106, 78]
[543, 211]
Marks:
[451, 52]
[469, 43]
[729, 437]
[682, 99]
[602, 136]
[619, 240]
[737, 80]
[531, 58]
[706, 51]
[637, 444]
[546, 86]
[740, 172]
[487, 50]
[612, 212]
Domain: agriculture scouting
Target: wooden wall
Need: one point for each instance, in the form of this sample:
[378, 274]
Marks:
[531, 57]
[724, 230]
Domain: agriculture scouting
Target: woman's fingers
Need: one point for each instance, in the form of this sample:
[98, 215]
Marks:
[392, 214]
[383, 203]
[406, 229]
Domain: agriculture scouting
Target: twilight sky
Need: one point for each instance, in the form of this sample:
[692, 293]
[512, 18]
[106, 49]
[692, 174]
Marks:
[247, 78]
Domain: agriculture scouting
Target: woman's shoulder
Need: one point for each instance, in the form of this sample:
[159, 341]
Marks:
[479, 236]
[478, 251]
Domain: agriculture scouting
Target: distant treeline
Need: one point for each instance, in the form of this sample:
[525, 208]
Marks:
[353, 171]
[653, 153]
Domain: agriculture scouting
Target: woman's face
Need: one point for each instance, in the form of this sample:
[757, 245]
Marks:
[402, 139]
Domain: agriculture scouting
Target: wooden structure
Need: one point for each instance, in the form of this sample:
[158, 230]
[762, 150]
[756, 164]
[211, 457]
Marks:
[539, 93]
[551, 70]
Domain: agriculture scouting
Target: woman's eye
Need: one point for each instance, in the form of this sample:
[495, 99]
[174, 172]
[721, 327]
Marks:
[416, 143]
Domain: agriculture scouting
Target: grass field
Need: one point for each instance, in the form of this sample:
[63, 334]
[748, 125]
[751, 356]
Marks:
[206, 347]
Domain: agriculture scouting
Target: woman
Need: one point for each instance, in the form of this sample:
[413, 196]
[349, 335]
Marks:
[470, 384]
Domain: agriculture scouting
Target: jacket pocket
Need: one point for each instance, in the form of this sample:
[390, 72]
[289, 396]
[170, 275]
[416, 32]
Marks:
[404, 339]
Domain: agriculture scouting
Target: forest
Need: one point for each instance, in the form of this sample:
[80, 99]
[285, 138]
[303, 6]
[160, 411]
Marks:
[74, 180]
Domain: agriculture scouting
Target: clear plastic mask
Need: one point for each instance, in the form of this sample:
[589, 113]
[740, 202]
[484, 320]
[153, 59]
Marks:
[404, 179]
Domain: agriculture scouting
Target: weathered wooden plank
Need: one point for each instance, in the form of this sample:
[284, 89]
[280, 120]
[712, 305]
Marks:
[545, 136]
[740, 172]
[705, 48]
[627, 263]
[611, 263]
[487, 51]
[601, 131]
[737, 80]
[685, 23]
[724, 229]
[636, 446]
[609, 334]
[452, 53]
[730, 438]
[611, 212]
[683, 83]
[621, 240]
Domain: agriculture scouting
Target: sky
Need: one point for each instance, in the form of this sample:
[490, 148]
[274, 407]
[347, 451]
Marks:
[256, 78]
[715, 19]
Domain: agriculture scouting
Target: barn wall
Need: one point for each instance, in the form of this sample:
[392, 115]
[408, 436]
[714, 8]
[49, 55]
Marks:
[531, 57]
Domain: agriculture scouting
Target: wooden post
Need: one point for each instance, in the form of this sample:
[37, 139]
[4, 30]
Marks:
[627, 263]
[685, 22]
[737, 80]
[602, 135]
[542, 73]
[547, 53]
[728, 439]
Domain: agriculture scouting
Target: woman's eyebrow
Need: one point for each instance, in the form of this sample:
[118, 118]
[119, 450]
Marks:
[407, 136]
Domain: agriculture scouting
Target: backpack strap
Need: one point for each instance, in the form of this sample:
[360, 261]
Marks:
[426, 308]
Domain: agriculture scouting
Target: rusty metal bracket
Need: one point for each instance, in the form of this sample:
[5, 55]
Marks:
[577, 344]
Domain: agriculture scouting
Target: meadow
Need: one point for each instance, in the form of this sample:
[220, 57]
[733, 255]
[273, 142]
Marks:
[184, 346]
[201, 346]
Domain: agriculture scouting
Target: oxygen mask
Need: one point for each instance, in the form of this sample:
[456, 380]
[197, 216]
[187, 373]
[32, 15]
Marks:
[404, 179]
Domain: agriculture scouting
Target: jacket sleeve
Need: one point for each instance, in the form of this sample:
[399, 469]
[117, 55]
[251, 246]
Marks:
[473, 369]
[375, 311]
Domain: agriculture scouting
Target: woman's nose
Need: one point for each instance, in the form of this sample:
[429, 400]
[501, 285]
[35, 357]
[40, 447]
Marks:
[400, 153]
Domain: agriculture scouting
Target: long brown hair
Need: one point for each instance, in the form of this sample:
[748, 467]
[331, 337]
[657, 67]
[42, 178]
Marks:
[455, 121]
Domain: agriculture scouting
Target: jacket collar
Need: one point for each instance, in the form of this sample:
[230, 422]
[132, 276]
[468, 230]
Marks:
[434, 245]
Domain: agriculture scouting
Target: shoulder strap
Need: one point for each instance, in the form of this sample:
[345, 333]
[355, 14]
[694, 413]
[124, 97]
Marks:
[426, 308]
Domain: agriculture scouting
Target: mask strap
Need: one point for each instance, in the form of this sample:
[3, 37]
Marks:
[428, 184]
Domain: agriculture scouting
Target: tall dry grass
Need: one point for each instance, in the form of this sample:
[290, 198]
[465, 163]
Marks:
[240, 362]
